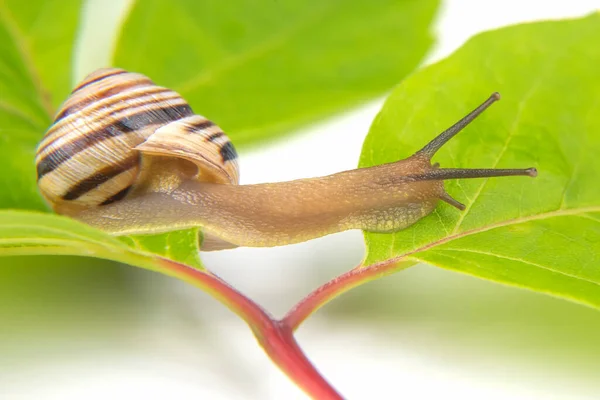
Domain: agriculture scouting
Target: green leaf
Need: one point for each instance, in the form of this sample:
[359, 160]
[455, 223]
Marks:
[543, 233]
[35, 70]
[33, 233]
[259, 71]
[182, 246]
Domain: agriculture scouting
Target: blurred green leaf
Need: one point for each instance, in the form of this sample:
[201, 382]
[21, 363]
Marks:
[513, 329]
[35, 289]
[67, 297]
[261, 70]
[35, 70]
[541, 234]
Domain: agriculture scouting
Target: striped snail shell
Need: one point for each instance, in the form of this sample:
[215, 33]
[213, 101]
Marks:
[110, 128]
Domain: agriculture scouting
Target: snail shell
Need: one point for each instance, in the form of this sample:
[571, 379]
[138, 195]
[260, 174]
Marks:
[107, 131]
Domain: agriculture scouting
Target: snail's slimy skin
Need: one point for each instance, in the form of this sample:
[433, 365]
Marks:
[274, 214]
[130, 157]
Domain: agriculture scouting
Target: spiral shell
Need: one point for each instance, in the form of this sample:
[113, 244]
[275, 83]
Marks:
[93, 153]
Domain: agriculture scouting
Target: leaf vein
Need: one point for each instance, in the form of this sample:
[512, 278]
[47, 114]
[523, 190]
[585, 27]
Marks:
[516, 259]
[259, 49]
[12, 110]
[24, 49]
[510, 222]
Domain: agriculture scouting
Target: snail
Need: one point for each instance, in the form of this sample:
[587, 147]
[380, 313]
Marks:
[130, 157]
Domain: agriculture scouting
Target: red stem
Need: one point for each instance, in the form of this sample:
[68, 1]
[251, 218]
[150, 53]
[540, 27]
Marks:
[282, 348]
[335, 287]
[275, 337]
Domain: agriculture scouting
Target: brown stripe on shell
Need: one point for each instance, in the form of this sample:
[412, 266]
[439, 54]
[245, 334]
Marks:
[113, 108]
[85, 163]
[100, 177]
[228, 152]
[173, 140]
[215, 136]
[116, 197]
[88, 97]
[97, 77]
[125, 125]
[114, 151]
[68, 132]
[200, 125]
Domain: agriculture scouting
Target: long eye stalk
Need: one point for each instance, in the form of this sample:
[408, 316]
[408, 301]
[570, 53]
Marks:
[432, 147]
[440, 174]
[467, 173]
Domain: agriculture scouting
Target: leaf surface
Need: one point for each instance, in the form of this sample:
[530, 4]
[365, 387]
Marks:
[35, 71]
[543, 233]
[260, 73]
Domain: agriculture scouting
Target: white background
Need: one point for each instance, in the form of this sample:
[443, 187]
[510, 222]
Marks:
[424, 346]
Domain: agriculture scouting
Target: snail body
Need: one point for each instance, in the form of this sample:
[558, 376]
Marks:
[131, 157]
